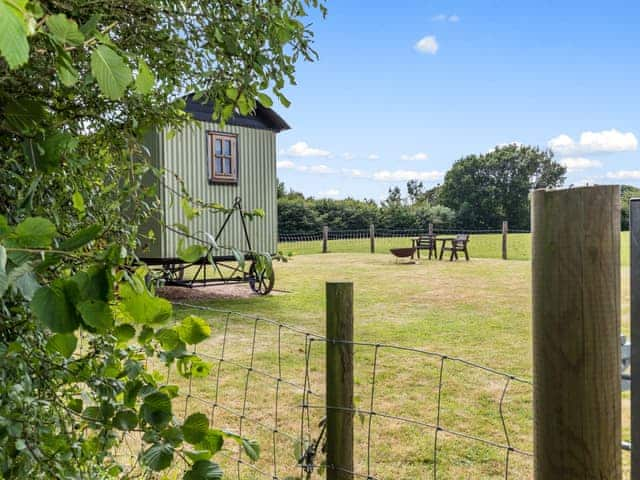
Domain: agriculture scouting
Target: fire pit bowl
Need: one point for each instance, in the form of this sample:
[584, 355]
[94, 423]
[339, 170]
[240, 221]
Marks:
[403, 252]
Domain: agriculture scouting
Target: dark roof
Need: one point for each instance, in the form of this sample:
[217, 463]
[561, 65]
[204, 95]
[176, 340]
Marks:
[262, 118]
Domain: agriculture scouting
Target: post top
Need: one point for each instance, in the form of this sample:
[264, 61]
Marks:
[580, 187]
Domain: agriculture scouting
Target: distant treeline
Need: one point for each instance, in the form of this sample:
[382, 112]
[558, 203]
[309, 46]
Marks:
[478, 192]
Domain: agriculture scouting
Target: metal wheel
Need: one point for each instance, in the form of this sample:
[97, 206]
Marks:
[260, 282]
[173, 272]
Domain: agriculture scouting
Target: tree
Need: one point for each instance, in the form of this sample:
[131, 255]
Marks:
[416, 191]
[394, 197]
[486, 189]
[80, 84]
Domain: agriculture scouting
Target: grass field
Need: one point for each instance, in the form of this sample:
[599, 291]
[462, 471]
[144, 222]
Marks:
[478, 310]
[481, 246]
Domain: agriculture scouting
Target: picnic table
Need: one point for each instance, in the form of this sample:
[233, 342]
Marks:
[443, 241]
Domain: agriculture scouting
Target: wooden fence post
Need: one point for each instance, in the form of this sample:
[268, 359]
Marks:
[634, 233]
[505, 233]
[430, 228]
[339, 380]
[372, 237]
[325, 239]
[576, 333]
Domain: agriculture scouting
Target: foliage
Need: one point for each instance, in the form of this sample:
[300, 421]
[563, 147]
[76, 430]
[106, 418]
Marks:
[486, 189]
[80, 83]
[299, 214]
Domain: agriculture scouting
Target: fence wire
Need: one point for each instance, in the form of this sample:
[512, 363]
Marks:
[359, 240]
[267, 383]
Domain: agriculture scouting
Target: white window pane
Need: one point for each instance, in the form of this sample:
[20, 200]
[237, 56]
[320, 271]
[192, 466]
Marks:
[227, 166]
[218, 167]
[227, 147]
[218, 147]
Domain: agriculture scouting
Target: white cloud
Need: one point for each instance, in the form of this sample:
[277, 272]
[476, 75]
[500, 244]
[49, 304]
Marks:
[624, 175]
[321, 169]
[416, 156]
[605, 141]
[302, 149]
[405, 175]
[348, 156]
[577, 164]
[373, 156]
[331, 193]
[285, 164]
[427, 44]
[445, 18]
[353, 172]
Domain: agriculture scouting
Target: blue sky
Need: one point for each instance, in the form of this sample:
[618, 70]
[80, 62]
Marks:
[403, 89]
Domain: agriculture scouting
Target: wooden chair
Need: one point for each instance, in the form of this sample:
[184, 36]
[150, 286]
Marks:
[458, 244]
[427, 242]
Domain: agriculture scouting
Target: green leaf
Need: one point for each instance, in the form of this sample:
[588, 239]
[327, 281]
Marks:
[192, 253]
[14, 45]
[172, 390]
[82, 237]
[64, 30]
[156, 409]
[110, 71]
[66, 72]
[35, 232]
[195, 428]
[204, 470]
[53, 309]
[52, 151]
[89, 27]
[93, 284]
[182, 227]
[158, 456]
[24, 115]
[189, 211]
[212, 442]
[143, 307]
[75, 404]
[124, 332]
[265, 100]
[173, 435]
[251, 448]
[96, 314]
[192, 330]
[145, 79]
[65, 344]
[78, 203]
[193, 366]
[168, 338]
[195, 455]
[145, 334]
[239, 258]
[125, 420]
[23, 280]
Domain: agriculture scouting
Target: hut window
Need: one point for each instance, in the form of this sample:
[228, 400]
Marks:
[223, 158]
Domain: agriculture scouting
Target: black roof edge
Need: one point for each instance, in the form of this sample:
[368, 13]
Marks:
[262, 118]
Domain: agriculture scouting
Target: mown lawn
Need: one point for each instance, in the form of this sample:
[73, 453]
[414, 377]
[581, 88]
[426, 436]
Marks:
[481, 246]
[478, 310]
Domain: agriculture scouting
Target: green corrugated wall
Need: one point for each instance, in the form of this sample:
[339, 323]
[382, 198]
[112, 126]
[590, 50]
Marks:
[186, 155]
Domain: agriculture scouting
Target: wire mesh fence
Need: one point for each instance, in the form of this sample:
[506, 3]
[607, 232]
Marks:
[267, 383]
[419, 413]
[485, 243]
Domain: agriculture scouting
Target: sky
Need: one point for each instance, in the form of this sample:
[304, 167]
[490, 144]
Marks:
[403, 89]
